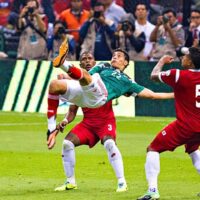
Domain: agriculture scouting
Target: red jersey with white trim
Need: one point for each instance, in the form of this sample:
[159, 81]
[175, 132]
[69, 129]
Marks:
[186, 85]
[98, 116]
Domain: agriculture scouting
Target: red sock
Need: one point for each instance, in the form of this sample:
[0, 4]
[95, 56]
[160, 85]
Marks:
[75, 73]
[53, 102]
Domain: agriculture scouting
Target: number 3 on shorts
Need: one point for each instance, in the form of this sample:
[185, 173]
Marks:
[110, 127]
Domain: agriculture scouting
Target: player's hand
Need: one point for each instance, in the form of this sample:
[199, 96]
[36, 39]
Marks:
[52, 139]
[61, 126]
[166, 59]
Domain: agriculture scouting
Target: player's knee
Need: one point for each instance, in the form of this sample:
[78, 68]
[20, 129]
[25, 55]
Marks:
[109, 144]
[67, 145]
[53, 86]
[57, 87]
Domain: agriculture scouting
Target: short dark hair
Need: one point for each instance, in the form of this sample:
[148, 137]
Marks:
[36, 1]
[85, 52]
[125, 54]
[167, 10]
[195, 10]
[195, 56]
[142, 3]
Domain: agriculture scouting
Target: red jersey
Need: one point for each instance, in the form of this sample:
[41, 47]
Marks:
[98, 116]
[186, 85]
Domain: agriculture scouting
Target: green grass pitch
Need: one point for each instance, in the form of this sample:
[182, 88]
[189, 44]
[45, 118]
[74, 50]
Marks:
[28, 170]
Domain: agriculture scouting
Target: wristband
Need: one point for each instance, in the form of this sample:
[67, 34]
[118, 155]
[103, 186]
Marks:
[66, 120]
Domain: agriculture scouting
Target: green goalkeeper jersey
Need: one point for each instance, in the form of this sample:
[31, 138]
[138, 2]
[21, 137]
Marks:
[116, 82]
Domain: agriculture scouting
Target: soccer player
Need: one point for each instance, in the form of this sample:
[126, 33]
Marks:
[93, 89]
[186, 128]
[95, 126]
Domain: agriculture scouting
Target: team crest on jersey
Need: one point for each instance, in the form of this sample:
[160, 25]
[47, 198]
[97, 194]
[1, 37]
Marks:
[166, 73]
[164, 133]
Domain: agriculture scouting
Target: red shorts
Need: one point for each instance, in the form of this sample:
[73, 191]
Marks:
[173, 136]
[90, 135]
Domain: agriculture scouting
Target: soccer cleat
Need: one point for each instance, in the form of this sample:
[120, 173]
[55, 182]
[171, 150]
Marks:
[122, 187]
[63, 51]
[66, 186]
[48, 134]
[150, 196]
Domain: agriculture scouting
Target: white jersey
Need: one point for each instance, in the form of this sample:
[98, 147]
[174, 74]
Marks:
[147, 29]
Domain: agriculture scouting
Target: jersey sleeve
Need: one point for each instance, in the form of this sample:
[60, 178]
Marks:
[94, 70]
[170, 77]
[135, 89]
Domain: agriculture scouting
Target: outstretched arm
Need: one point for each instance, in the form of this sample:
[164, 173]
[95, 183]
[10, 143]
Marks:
[149, 94]
[158, 68]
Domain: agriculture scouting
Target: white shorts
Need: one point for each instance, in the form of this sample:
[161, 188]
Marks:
[91, 96]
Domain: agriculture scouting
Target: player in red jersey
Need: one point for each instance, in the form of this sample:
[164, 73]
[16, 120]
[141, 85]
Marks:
[97, 124]
[185, 130]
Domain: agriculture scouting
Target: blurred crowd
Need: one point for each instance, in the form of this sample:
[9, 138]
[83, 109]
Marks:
[34, 29]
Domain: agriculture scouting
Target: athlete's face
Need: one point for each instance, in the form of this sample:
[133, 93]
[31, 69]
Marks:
[87, 61]
[186, 62]
[118, 60]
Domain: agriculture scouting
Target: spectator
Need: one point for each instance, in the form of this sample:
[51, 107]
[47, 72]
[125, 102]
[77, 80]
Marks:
[113, 11]
[32, 44]
[167, 35]
[129, 38]
[97, 33]
[74, 17]
[19, 4]
[193, 31]
[61, 5]
[142, 24]
[9, 35]
[129, 5]
[54, 42]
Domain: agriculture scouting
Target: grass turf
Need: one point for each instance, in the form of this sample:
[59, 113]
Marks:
[28, 170]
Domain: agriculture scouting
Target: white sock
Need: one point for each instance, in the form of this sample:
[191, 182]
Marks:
[65, 66]
[115, 159]
[68, 158]
[195, 156]
[52, 123]
[152, 168]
